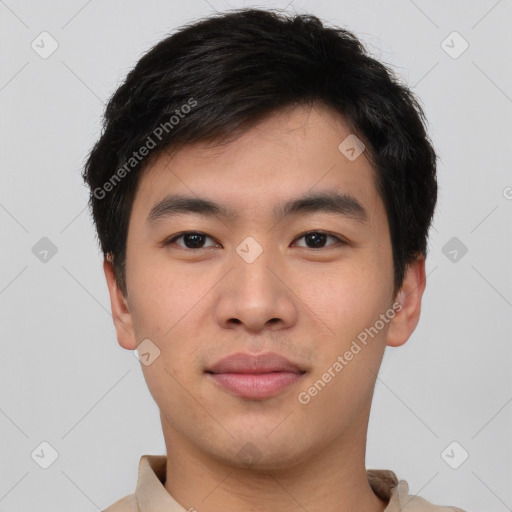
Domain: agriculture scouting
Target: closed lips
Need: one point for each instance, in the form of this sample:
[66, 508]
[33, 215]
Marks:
[254, 364]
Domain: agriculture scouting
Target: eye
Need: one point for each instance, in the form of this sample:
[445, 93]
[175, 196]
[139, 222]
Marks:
[196, 240]
[317, 239]
[191, 240]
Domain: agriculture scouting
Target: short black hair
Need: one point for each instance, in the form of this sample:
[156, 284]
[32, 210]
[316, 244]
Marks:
[214, 79]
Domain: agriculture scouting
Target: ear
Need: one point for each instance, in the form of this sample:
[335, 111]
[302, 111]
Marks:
[406, 319]
[121, 315]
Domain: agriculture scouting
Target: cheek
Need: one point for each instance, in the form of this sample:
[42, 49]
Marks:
[349, 300]
[349, 294]
[166, 307]
[159, 293]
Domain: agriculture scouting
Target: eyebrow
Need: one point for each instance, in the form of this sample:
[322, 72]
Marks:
[328, 202]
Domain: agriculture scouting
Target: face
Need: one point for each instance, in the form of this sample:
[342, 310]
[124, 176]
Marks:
[274, 268]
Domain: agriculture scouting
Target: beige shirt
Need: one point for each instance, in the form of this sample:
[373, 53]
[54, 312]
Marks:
[151, 496]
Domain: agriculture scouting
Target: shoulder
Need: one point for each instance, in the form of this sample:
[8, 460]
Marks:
[406, 502]
[126, 504]
[395, 493]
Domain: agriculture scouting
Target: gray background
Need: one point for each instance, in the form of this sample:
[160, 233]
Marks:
[64, 379]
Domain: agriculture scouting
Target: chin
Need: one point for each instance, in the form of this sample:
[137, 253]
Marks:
[261, 453]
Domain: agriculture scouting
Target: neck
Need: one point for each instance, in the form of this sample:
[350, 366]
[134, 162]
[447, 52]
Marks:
[330, 480]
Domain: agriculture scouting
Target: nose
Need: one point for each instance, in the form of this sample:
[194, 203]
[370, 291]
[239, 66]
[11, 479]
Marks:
[255, 296]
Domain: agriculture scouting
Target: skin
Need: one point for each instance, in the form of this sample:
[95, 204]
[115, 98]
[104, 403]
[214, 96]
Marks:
[199, 305]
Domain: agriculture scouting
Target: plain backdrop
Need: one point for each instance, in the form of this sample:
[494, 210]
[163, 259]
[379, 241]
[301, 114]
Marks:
[64, 379]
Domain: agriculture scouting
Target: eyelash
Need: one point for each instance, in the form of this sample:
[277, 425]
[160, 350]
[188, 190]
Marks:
[173, 239]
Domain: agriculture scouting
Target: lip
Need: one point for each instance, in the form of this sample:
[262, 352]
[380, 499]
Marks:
[255, 376]
[242, 362]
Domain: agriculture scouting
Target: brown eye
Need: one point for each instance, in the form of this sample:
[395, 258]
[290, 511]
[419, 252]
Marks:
[317, 239]
[191, 240]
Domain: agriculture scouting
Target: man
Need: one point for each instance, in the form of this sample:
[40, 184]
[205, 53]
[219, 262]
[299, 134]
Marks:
[262, 192]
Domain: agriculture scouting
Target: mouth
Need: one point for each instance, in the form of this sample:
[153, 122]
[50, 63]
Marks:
[255, 377]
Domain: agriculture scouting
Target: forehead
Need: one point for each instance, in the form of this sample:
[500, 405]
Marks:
[290, 153]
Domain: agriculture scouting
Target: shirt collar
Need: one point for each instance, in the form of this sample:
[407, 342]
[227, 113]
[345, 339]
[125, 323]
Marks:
[150, 492]
[152, 496]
